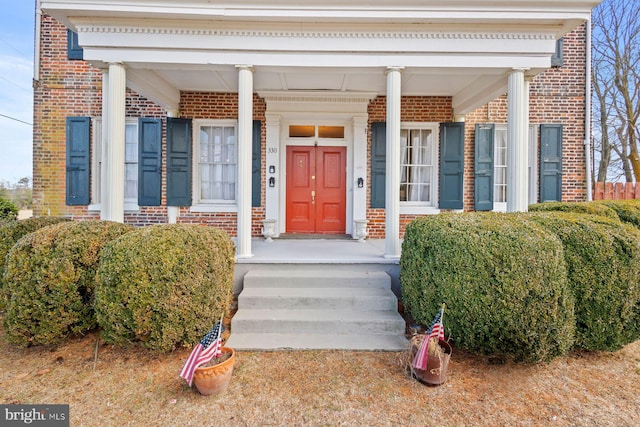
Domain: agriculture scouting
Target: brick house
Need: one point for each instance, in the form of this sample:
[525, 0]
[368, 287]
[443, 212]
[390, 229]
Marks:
[317, 117]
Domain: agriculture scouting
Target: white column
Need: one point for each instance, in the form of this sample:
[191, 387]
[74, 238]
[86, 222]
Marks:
[173, 212]
[116, 112]
[392, 195]
[272, 203]
[359, 170]
[105, 212]
[517, 146]
[245, 118]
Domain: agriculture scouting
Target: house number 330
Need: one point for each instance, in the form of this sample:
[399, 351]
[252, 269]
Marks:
[272, 150]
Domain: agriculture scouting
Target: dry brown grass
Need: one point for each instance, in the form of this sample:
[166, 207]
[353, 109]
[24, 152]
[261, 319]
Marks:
[319, 388]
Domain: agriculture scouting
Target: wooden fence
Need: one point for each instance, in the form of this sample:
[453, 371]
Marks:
[616, 191]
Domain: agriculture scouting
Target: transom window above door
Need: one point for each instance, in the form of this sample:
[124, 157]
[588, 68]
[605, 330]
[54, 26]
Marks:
[312, 131]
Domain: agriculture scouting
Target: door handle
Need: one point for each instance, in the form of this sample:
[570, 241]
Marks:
[313, 197]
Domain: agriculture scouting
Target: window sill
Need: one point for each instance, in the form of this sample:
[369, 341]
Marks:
[418, 210]
[128, 207]
[213, 208]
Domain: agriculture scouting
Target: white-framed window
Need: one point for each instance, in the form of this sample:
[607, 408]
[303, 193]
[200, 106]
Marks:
[215, 165]
[500, 167]
[130, 167]
[418, 166]
[500, 170]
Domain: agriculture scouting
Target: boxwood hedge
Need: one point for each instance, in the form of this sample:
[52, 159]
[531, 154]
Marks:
[575, 207]
[13, 231]
[164, 286]
[603, 266]
[49, 281]
[627, 210]
[503, 280]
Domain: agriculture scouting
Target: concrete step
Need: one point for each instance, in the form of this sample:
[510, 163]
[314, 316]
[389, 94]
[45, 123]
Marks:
[313, 308]
[321, 278]
[315, 341]
[317, 298]
[311, 321]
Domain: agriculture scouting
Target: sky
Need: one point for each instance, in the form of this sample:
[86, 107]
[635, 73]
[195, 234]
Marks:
[16, 93]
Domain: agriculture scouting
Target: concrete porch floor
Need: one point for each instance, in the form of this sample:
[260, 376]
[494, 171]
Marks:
[317, 251]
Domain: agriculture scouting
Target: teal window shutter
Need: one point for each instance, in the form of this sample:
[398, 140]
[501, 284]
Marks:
[178, 162]
[483, 178]
[551, 163]
[78, 143]
[451, 165]
[256, 157]
[149, 162]
[378, 163]
[74, 51]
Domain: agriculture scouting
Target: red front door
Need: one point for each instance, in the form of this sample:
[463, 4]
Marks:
[316, 189]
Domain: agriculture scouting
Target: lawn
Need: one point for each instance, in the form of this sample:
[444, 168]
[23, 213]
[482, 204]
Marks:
[320, 388]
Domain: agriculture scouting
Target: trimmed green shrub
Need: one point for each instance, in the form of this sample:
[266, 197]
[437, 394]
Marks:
[8, 211]
[49, 281]
[603, 265]
[502, 278]
[591, 208]
[12, 232]
[627, 210]
[164, 285]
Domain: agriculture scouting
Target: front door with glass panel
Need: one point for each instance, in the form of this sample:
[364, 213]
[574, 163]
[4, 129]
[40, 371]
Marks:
[316, 189]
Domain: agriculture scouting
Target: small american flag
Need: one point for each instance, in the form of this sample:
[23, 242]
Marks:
[436, 331]
[209, 347]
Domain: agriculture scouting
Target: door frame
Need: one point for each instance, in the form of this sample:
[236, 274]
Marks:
[286, 141]
[331, 107]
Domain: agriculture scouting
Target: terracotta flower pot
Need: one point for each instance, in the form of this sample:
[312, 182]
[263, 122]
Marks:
[210, 380]
[436, 372]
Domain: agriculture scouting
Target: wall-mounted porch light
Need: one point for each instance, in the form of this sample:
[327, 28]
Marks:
[272, 182]
[360, 182]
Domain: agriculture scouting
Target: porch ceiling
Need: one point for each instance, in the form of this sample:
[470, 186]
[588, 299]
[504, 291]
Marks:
[469, 88]
[434, 82]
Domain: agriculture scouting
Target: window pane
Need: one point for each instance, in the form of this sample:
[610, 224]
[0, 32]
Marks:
[331, 131]
[131, 143]
[217, 163]
[500, 167]
[205, 181]
[131, 181]
[230, 146]
[306, 131]
[417, 167]
[216, 153]
[131, 163]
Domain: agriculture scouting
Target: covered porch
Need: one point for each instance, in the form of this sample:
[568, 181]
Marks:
[326, 60]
